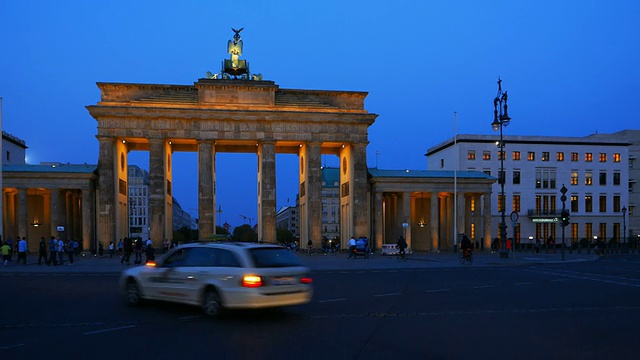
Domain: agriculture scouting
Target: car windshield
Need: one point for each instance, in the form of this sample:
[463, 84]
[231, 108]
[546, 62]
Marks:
[273, 257]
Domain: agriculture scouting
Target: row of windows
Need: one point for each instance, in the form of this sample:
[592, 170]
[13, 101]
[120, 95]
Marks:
[546, 178]
[545, 156]
[547, 204]
[543, 231]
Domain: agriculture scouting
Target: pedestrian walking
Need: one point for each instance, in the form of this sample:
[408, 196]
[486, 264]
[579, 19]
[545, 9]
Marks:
[53, 251]
[42, 252]
[112, 250]
[137, 250]
[127, 247]
[61, 251]
[22, 251]
[5, 250]
[70, 250]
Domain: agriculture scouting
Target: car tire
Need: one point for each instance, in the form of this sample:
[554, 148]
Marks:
[212, 304]
[133, 296]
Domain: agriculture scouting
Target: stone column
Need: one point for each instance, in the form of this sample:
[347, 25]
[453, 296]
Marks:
[435, 225]
[378, 219]
[88, 242]
[267, 191]
[107, 195]
[23, 220]
[461, 225]
[68, 214]
[359, 206]
[157, 190]
[314, 192]
[406, 217]
[486, 217]
[206, 189]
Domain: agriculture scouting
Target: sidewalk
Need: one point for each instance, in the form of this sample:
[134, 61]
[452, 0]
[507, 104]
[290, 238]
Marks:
[88, 263]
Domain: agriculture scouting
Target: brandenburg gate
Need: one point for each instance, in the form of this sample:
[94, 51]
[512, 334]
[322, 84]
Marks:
[233, 111]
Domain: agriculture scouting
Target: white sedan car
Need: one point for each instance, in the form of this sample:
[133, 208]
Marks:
[219, 276]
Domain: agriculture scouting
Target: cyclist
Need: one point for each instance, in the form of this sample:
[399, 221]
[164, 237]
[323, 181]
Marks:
[466, 246]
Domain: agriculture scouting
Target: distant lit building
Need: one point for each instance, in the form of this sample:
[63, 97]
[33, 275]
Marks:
[181, 218]
[287, 218]
[595, 170]
[138, 202]
[330, 202]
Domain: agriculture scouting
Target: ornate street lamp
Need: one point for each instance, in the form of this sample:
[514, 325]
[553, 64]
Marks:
[501, 119]
[624, 224]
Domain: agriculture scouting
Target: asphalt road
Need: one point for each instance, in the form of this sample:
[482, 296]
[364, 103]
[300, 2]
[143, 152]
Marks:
[584, 310]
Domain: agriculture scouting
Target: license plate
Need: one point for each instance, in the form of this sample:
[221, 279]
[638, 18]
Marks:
[285, 280]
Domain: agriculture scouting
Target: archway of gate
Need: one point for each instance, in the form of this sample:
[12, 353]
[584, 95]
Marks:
[229, 115]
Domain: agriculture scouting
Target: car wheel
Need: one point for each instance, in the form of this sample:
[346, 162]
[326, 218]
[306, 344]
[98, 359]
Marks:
[132, 293]
[212, 305]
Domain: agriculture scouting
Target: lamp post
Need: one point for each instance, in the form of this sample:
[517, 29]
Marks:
[624, 224]
[565, 217]
[501, 119]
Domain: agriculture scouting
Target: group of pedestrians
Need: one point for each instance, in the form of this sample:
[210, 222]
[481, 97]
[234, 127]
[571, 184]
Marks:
[136, 246]
[52, 252]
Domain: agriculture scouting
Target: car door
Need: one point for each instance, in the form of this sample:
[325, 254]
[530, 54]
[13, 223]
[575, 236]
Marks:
[187, 279]
[161, 281]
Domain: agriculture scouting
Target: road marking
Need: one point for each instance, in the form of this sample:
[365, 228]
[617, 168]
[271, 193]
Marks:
[190, 317]
[332, 300]
[11, 346]
[482, 286]
[437, 290]
[389, 294]
[105, 330]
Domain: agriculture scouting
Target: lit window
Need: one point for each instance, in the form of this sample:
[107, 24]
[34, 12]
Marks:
[501, 155]
[560, 156]
[471, 155]
[616, 157]
[545, 156]
[531, 156]
[588, 178]
[515, 203]
[486, 155]
[574, 156]
[602, 157]
[588, 157]
[515, 155]
[574, 178]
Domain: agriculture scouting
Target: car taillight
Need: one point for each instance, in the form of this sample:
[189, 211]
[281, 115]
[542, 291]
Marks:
[306, 280]
[251, 281]
[151, 263]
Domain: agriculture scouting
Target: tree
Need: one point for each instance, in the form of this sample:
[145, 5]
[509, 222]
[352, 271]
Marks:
[245, 233]
[284, 236]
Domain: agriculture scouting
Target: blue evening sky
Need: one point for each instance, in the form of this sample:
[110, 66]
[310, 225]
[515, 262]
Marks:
[571, 68]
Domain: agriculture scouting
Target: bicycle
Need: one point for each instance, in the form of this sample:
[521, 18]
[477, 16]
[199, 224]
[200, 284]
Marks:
[466, 257]
[401, 255]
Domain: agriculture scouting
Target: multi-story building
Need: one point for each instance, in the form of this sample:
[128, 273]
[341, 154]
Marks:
[330, 202]
[138, 202]
[14, 150]
[287, 218]
[595, 171]
[632, 220]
